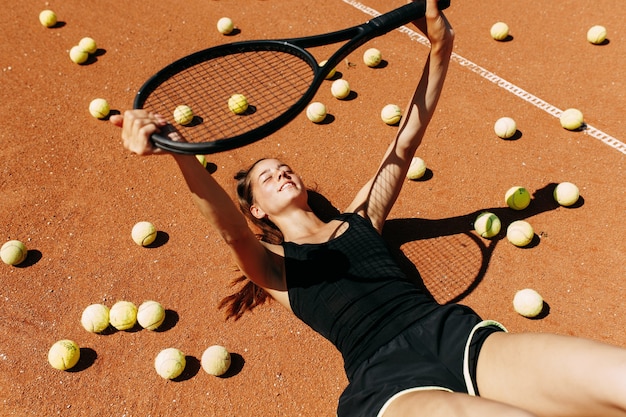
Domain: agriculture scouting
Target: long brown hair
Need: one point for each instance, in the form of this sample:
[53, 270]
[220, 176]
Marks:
[249, 295]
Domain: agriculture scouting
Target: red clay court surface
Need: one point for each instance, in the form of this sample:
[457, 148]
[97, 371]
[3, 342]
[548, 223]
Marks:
[72, 193]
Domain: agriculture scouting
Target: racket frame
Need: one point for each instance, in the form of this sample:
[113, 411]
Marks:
[356, 37]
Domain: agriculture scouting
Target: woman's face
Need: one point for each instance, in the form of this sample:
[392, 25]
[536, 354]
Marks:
[275, 187]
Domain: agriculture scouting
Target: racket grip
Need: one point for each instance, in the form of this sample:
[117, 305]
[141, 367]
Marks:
[402, 15]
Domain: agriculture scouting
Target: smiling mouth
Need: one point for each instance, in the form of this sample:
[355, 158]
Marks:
[288, 183]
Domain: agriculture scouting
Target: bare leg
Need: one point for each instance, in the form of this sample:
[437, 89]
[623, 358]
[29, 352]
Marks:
[552, 375]
[446, 404]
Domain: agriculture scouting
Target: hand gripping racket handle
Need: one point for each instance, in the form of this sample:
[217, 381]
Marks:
[402, 15]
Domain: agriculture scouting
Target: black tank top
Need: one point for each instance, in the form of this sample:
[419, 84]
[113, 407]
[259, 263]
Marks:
[352, 291]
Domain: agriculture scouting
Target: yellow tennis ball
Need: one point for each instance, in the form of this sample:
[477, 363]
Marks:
[64, 354]
[88, 45]
[225, 25]
[202, 160]
[528, 302]
[48, 18]
[183, 114]
[95, 318]
[372, 57]
[150, 315]
[487, 224]
[417, 169]
[170, 363]
[596, 34]
[505, 127]
[13, 252]
[238, 103]
[517, 198]
[77, 55]
[123, 315]
[143, 233]
[340, 88]
[99, 108]
[216, 360]
[316, 112]
[572, 119]
[566, 194]
[391, 114]
[332, 72]
[520, 233]
[499, 31]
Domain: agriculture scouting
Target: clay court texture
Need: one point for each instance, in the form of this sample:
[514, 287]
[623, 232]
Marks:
[72, 194]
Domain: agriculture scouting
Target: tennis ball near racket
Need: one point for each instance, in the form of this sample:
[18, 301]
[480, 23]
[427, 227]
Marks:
[225, 26]
[517, 198]
[143, 233]
[48, 18]
[150, 315]
[505, 127]
[571, 119]
[499, 31]
[183, 114]
[316, 112]
[77, 55]
[372, 57]
[170, 363]
[99, 108]
[123, 315]
[520, 233]
[566, 194]
[13, 252]
[391, 114]
[596, 34]
[332, 72]
[202, 160]
[95, 318]
[528, 303]
[487, 224]
[417, 169]
[340, 89]
[64, 354]
[88, 45]
[238, 103]
[216, 360]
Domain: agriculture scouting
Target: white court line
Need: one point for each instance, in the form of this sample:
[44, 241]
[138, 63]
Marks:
[500, 82]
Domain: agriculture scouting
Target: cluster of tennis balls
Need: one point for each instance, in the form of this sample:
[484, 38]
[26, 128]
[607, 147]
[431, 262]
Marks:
[79, 54]
[570, 119]
[124, 315]
[527, 302]
[340, 89]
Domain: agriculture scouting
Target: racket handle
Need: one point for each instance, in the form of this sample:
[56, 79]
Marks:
[402, 15]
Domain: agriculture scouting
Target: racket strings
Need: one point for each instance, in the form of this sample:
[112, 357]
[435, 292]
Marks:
[272, 82]
[449, 266]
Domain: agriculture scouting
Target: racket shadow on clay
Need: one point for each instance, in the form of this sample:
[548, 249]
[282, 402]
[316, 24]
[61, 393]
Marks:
[446, 257]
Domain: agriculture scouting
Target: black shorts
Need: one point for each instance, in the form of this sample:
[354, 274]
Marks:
[438, 352]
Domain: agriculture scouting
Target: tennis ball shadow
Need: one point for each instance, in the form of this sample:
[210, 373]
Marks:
[171, 319]
[509, 38]
[517, 135]
[32, 257]
[161, 239]
[192, 367]
[87, 358]
[327, 120]
[351, 96]
[235, 31]
[236, 365]
[382, 64]
[545, 311]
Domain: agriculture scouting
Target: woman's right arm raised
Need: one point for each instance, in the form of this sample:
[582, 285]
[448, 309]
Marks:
[253, 258]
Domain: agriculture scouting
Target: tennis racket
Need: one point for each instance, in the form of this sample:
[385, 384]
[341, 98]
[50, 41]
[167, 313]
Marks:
[278, 78]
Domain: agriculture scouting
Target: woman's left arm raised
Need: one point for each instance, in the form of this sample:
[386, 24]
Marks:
[378, 195]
